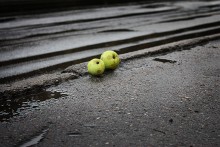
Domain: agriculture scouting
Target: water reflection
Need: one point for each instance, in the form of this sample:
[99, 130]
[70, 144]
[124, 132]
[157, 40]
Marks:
[15, 105]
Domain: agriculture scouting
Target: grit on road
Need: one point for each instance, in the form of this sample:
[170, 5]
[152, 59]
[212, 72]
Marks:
[162, 100]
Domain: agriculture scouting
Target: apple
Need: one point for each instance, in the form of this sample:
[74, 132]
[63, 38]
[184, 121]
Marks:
[111, 59]
[96, 67]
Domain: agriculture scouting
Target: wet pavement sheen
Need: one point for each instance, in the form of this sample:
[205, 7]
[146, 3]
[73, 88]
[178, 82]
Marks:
[163, 100]
[33, 44]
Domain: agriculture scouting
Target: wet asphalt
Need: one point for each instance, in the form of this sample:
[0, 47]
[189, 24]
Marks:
[163, 100]
[39, 43]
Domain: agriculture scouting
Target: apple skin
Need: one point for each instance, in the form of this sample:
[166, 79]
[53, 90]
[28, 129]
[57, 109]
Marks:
[111, 59]
[96, 67]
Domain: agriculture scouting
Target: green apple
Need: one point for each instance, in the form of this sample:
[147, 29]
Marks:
[111, 59]
[96, 67]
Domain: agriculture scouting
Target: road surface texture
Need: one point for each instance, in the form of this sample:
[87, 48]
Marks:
[164, 93]
[35, 44]
[168, 99]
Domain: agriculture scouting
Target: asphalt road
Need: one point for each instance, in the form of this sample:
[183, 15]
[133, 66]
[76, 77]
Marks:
[35, 44]
[164, 100]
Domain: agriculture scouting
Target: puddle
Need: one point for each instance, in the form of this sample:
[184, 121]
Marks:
[35, 140]
[13, 106]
